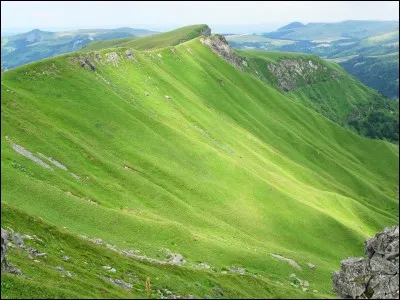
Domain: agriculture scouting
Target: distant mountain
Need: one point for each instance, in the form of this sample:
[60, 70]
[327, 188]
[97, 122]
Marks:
[333, 31]
[291, 26]
[366, 49]
[37, 44]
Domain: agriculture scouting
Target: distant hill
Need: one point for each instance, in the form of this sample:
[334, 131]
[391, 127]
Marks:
[34, 45]
[366, 49]
[291, 26]
[333, 31]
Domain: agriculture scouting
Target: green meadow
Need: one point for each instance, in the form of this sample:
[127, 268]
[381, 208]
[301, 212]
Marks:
[226, 171]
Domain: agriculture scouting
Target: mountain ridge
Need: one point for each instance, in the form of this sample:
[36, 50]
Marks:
[176, 148]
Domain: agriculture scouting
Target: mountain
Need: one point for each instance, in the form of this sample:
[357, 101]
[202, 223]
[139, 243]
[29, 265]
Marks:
[366, 49]
[180, 167]
[291, 26]
[37, 44]
[333, 31]
[160, 40]
[326, 88]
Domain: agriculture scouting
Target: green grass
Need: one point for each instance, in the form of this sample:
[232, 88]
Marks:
[335, 97]
[161, 40]
[225, 172]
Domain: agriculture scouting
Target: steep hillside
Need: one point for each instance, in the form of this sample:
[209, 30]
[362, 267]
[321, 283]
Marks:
[37, 44]
[326, 88]
[170, 38]
[207, 175]
[372, 59]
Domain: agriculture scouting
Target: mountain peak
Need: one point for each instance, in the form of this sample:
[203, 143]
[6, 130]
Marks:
[292, 25]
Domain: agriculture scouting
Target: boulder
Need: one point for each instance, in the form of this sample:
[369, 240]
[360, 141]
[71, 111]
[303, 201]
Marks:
[373, 277]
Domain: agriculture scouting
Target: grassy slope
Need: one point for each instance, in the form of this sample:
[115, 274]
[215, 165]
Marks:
[170, 38]
[334, 97]
[225, 172]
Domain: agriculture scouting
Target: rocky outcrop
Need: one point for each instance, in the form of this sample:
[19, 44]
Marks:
[86, 63]
[6, 240]
[373, 277]
[220, 46]
[291, 73]
[206, 31]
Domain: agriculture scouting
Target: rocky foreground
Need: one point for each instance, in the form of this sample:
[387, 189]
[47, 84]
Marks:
[373, 277]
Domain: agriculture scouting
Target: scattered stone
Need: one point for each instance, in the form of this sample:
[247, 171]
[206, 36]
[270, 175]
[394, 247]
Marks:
[159, 55]
[168, 97]
[288, 260]
[66, 258]
[74, 175]
[310, 265]
[305, 289]
[293, 275]
[27, 236]
[373, 277]
[30, 256]
[86, 63]
[112, 57]
[53, 161]
[36, 261]
[241, 271]
[315, 291]
[147, 93]
[175, 258]
[99, 58]
[21, 150]
[204, 266]
[119, 282]
[130, 55]
[61, 269]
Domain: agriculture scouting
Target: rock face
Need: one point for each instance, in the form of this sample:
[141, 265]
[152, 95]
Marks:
[220, 46]
[206, 31]
[6, 238]
[292, 73]
[373, 277]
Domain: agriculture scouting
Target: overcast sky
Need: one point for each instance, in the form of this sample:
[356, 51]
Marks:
[85, 14]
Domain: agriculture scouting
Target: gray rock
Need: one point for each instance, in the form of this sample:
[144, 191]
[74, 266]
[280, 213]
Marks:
[86, 63]
[206, 31]
[310, 265]
[204, 266]
[61, 269]
[373, 277]
[66, 258]
[241, 271]
[220, 46]
[119, 282]
[288, 260]
[175, 258]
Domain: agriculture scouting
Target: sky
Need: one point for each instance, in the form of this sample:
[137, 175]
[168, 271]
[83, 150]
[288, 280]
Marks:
[166, 15]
